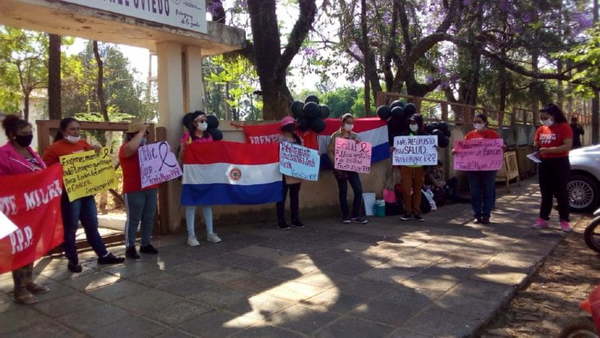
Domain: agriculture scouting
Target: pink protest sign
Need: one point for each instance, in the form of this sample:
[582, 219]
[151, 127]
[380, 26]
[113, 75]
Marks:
[158, 164]
[478, 154]
[352, 156]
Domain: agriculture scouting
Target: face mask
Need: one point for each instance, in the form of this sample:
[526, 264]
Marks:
[348, 127]
[24, 140]
[547, 122]
[72, 139]
[202, 126]
[413, 127]
[478, 126]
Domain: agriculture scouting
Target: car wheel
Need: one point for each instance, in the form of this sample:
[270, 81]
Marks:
[583, 193]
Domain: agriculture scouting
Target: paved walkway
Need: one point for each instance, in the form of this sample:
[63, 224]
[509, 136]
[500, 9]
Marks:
[444, 277]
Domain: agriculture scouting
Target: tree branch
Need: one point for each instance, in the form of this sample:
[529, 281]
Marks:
[308, 9]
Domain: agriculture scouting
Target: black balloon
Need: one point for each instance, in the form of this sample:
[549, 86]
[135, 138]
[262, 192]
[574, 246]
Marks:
[296, 108]
[212, 121]
[397, 112]
[324, 111]
[397, 103]
[304, 124]
[311, 98]
[410, 109]
[312, 110]
[317, 125]
[384, 112]
[216, 134]
[443, 141]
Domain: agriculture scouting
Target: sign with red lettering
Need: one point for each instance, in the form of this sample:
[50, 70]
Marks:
[32, 203]
[352, 156]
[478, 154]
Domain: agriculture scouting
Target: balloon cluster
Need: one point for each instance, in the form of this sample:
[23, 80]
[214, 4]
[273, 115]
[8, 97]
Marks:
[310, 115]
[213, 125]
[398, 113]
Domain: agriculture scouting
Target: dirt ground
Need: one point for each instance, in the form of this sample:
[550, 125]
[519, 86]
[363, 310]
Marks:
[551, 301]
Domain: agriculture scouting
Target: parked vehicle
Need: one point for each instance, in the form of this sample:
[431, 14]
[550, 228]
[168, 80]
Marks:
[591, 234]
[585, 327]
[584, 182]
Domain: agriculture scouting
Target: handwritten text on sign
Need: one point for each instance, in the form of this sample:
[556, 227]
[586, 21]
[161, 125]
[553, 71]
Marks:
[478, 154]
[352, 156]
[415, 150]
[88, 173]
[158, 164]
[298, 161]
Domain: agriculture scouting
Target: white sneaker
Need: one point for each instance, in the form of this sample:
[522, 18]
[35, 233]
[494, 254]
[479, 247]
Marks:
[193, 242]
[213, 238]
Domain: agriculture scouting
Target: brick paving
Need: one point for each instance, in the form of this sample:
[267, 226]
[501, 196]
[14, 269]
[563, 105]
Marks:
[445, 277]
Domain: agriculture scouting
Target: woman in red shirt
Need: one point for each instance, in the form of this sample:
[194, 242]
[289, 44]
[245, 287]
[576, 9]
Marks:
[553, 140]
[482, 184]
[67, 142]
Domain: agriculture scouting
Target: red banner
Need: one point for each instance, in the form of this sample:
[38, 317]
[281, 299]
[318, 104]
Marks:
[32, 202]
[271, 133]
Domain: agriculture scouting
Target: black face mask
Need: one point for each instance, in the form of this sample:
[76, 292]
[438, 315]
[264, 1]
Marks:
[24, 140]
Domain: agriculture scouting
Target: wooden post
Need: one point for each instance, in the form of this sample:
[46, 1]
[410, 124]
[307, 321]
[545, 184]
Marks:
[444, 107]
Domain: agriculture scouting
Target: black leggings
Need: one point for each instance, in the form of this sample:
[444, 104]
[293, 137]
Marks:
[553, 176]
[294, 190]
[354, 180]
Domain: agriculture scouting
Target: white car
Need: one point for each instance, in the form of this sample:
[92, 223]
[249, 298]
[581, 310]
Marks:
[584, 182]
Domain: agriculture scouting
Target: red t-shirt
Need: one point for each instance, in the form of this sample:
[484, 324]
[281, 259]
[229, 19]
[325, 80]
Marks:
[486, 133]
[60, 148]
[132, 181]
[553, 136]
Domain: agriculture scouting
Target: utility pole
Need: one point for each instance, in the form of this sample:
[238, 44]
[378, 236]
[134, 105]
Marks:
[596, 99]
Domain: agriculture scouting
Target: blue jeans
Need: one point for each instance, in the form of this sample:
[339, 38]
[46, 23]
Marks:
[84, 210]
[483, 192]
[141, 208]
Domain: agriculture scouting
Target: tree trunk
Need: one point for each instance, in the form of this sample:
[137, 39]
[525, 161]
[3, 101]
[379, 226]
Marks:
[534, 88]
[26, 97]
[367, 96]
[100, 82]
[54, 77]
[503, 77]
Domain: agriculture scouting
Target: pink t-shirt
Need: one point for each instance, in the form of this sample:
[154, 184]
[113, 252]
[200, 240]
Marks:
[186, 139]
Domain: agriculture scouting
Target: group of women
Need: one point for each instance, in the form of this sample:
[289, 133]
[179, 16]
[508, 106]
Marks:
[553, 140]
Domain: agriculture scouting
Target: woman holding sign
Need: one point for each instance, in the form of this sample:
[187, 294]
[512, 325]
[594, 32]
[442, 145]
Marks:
[140, 202]
[554, 139]
[344, 177]
[482, 184]
[17, 157]
[196, 124]
[291, 184]
[412, 177]
[68, 141]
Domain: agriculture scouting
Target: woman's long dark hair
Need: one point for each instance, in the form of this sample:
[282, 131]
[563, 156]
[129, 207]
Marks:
[291, 128]
[483, 118]
[554, 111]
[64, 123]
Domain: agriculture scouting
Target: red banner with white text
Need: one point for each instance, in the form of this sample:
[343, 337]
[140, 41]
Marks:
[271, 133]
[32, 202]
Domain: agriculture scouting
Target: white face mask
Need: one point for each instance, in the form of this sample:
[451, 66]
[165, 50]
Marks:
[547, 122]
[478, 126]
[413, 127]
[72, 139]
[202, 126]
[348, 126]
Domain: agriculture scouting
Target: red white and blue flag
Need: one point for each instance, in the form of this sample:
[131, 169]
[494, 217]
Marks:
[369, 129]
[217, 173]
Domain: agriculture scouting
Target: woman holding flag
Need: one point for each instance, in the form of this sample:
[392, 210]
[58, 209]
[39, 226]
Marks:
[344, 177]
[17, 157]
[68, 141]
[197, 126]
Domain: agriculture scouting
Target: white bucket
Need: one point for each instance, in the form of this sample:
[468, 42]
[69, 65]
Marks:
[369, 199]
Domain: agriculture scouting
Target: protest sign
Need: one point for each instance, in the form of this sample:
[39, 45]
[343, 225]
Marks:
[478, 154]
[32, 203]
[352, 156]
[298, 161]
[415, 150]
[88, 173]
[158, 164]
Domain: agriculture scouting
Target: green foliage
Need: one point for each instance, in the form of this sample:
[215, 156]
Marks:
[587, 78]
[340, 100]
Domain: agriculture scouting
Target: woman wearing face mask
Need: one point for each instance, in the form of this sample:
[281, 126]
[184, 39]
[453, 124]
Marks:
[345, 177]
[140, 202]
[412, 176]
[197, 126]
[553, 140]
[17, 157]
[291, 184]
[482, 184]
[67, 142]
